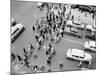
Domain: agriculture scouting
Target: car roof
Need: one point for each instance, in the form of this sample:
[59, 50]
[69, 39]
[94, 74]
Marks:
[77, 52]
[92, 43]
[90, 27]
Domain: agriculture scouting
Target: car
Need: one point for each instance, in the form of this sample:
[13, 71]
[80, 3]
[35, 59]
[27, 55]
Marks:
[91, 35]
[74, 6]
[90, 32]
[79, 26]
[16, 30]
[90, 45]
[79, 55]
[73, 32]
[91, 28]
[75, 24]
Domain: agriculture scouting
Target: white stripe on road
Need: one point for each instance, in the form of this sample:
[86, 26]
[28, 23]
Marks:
[73, 41]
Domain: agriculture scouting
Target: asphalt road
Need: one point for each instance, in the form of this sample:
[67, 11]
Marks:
[27, 14]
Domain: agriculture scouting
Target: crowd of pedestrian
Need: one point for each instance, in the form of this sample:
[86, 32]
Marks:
[50, 27]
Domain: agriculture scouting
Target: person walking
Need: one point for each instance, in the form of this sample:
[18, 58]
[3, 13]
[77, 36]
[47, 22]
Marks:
[49, 62]
[13, 56]
[19, 57]
[42, 68]
[48, 70]
[61, 65]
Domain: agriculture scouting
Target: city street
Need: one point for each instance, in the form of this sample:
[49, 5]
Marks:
[27, 13]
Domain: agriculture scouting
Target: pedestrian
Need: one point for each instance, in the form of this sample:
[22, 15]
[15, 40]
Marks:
[49, 50]
[38, 46]
[80, 64]
[89, 64]
[49, 70]
[30, 47]
[73, 17]
[25, 52]
[43, 36]
[61, 64]
[37, 37]
[33, 28]
[40, 42]
[26, 63]
[35, 68]
[50, 46]
[19, 58]
[54, 52]
[49, 62]
[13, 56]
[42, 68]
[22, 64]
[47, 53]
[50, 56]
[30, 50]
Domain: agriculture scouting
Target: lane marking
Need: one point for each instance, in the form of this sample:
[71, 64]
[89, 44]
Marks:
[73, 41]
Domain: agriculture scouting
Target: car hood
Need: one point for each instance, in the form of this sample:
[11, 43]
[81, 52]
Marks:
[88, 57]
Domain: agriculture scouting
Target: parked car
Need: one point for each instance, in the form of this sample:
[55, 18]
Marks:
[79, 55]
[77, 25]
[73, 32]
[90, 28]
[90, 45]
[90, 9]
[15, 31]
[90, 32]
[91, 36]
